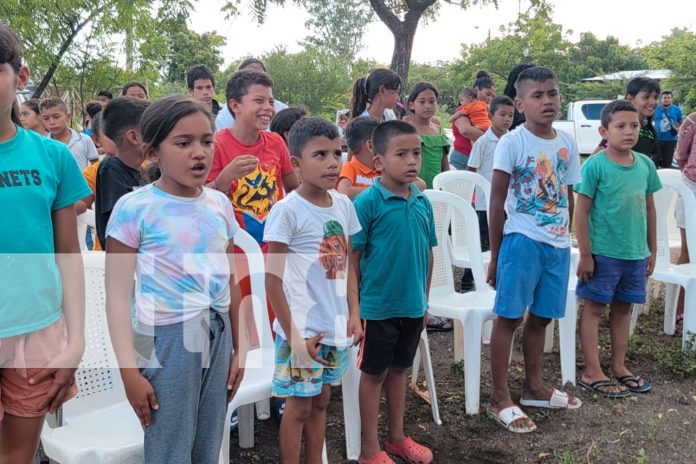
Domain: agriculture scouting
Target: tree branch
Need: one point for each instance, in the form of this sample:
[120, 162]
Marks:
[387, 16]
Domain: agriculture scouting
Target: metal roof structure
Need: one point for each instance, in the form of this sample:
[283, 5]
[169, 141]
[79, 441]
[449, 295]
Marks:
[658, 74]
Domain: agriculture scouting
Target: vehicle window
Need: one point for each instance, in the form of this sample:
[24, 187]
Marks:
[593, 111]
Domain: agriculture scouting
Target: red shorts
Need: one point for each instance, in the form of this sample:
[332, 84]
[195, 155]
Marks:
[21, 357]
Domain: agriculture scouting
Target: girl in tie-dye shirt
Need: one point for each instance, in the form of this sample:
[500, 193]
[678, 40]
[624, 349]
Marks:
[174, 235]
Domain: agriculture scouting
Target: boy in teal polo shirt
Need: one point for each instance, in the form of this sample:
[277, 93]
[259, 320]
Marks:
[394, 249]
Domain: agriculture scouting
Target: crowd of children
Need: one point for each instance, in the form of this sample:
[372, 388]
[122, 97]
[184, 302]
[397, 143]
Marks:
[170, 185]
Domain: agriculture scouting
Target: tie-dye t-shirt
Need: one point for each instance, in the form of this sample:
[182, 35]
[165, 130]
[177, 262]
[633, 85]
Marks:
[181, 263]
[253, 195]
[540, 172]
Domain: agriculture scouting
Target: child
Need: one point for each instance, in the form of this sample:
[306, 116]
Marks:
[394, 216]
[686, 159]
[119, 174]
[616, 232]
[358, 173]
[176, 362]
[473, 108]
[42, 311]
[422, 102]
[534, 170]
[376, 95]
[29, 115]
[134, 89]
[502, 110]
[91, 109]
[104, 97]
[55, 117]
[251, 165]
[201, 87]
[284, 119]
[308, 233]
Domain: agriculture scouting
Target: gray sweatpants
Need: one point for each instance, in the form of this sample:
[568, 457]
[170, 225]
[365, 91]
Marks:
[191, 388]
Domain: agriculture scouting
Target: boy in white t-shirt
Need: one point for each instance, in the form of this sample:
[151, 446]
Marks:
[534, 170]
[308, 233]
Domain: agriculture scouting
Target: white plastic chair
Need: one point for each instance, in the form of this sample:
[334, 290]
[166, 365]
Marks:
[424, 352]
[471, 309]
[98, 425]
[674, 275]
[84, 222]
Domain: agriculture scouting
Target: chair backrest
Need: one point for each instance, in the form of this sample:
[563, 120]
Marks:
[445, 207]
[673, 186]
[462, 184]
[98, 379]
[257, 275]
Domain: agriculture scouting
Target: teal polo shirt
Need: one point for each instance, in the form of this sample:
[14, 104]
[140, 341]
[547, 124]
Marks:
[396, 237]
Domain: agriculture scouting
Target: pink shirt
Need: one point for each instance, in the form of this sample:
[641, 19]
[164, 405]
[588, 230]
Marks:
[686, 151]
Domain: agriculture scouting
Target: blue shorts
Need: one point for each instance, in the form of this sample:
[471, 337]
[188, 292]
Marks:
[531, 275]
[459, 160]
[615, 279]
[289, 380]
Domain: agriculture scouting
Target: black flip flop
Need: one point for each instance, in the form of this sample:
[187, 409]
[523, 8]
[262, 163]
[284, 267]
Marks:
[646, 387]
[596, 387]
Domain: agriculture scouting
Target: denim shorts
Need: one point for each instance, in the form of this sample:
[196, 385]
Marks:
[459, 160]
[615, 279]
[531, 275]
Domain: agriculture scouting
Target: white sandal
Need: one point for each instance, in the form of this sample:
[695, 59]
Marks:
[507, 418]
[558, 400]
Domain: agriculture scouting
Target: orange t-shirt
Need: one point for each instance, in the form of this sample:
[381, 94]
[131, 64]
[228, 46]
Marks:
[358, 174]
[90, 174]
[477, 112]
[253, 196]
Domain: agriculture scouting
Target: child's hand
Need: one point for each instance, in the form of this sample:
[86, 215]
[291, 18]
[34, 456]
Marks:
[355, 330]
[140, 394]
[63, 374]
[651, 265]
[456, 116]
[241, 166]
[306, 351]
[491, 275]
[585, 268]
[235, 377]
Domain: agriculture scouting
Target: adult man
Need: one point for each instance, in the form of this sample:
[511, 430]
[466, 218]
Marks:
[667, 119]
[201, 86]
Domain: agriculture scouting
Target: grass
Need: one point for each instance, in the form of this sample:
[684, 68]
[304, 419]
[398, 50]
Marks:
[669, 356]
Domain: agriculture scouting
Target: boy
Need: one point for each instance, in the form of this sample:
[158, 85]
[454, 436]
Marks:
[616, 232]
[308, 233]
[534, 169]
[55, 117]
[395, 216]
[104, 97]
[358, 173]
[201, 87]
[251, 164]
[501, 113]
[119, 174]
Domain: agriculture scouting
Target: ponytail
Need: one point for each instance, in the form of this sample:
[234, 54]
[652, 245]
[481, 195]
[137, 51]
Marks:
[483, 81]
[14, 115]
[358, 101]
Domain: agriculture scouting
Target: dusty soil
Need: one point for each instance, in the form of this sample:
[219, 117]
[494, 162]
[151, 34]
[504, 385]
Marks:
[658, 427]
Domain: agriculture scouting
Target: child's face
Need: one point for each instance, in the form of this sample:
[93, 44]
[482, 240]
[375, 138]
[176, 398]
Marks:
[185, 156]
[136, 91]
[623, 131]
[203, 91]
[486, 94]
[320, 163]
[103, 99]
[425, 104]
[502, 118]
[29, 119]
[645, 101]
[465, 100]
[255, 110]
[402, 160]
[55, 119]
[540, 101]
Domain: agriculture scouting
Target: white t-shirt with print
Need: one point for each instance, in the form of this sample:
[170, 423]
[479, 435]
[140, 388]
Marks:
[316, 268]
[540, 172]
[481, 159]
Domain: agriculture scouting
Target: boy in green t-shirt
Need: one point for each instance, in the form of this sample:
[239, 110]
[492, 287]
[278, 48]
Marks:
[615, 228]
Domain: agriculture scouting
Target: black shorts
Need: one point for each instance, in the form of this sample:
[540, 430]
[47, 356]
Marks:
[389, 343]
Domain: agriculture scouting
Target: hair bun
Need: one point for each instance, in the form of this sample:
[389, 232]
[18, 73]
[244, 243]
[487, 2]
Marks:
[481, 74]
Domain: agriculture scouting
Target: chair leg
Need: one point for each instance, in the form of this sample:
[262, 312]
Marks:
[566, 338]
[263, 409]
[548, 340]
[458, 341]
[635, 311]
[245, 413]
[424, 348]
[487, 330]
[350, 385]
[689, 327]
[671, 300]
[472, 365]
[416, 367]
[324, 454]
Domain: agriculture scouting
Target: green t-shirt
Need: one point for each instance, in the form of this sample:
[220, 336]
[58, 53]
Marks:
[396, 237]
[433, 148]
[618, 218]
[38, 176]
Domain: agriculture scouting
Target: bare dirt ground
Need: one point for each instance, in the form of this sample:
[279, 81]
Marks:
[658, 427]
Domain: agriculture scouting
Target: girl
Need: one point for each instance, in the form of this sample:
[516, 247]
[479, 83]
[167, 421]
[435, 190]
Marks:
[29, 116]
[42, 310]
[174, 234]
[376, 95]
[134, 89]
[466, 131]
